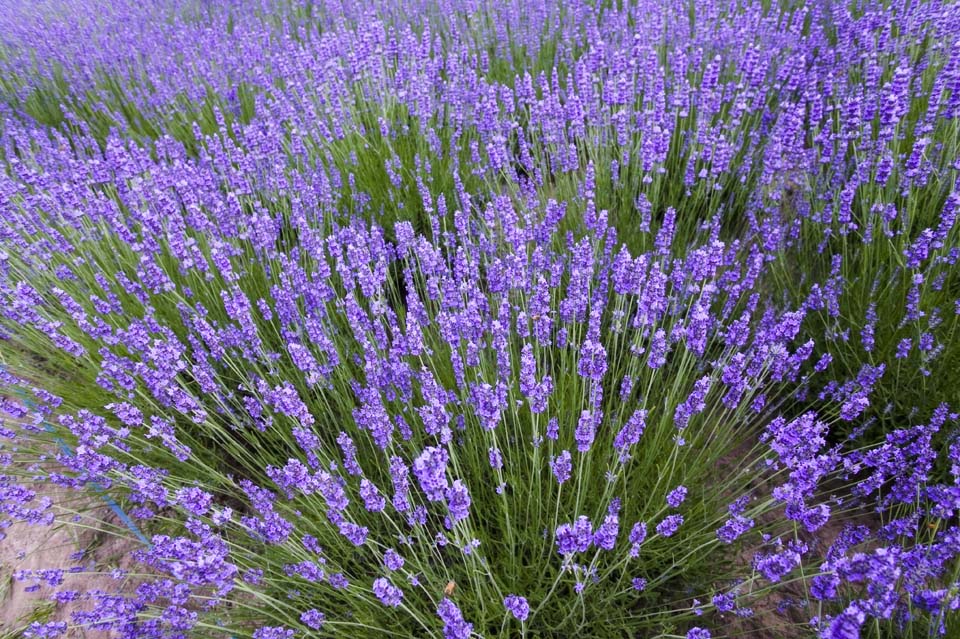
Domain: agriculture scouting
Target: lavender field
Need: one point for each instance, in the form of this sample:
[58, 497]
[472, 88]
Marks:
[488, 318]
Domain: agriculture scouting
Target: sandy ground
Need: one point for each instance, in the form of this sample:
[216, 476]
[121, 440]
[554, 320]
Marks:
[33, 547]
[83, 524]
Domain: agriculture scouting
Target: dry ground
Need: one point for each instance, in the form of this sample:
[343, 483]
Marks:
[37, 547]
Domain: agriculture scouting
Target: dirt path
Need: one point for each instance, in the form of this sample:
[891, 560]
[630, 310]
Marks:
[81, 545]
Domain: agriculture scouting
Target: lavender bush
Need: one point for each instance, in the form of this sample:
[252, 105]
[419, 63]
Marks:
[430, 319]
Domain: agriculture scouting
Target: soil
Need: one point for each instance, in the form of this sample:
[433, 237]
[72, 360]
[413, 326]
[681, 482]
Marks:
[37, 547]
[784, 613]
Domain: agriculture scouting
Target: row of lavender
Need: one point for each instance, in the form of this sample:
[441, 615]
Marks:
[353, 303]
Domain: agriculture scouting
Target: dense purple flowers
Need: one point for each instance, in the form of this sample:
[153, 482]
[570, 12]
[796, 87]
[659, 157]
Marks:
[416, 294]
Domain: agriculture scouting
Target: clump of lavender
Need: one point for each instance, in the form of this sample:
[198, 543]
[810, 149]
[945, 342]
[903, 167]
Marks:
[404, 325]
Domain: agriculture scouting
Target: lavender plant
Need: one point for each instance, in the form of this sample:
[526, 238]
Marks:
[424, 319]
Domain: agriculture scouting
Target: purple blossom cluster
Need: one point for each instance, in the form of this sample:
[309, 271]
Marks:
[371, 298]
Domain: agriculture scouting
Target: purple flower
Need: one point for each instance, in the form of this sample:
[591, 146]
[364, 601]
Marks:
[824, 587]
[454, 625]
[658, 349]
[488, 402]
[583, 532]
[537, 392]
[636, 538]
[903, 347]
[593, 360]
[49, 630]
[846, 625]
[434, 346]
[458, 501]
[733, 528]
[386, 592]
[273, 632]
[313, 618]
[676, 496]
[349, 454]
[562, 466]
[517, 606]
[356, 534]
[586, 431]
[777, 565]
[566, 540]
[553, 428]
[605, 536]
[630, 434]
[430, 469]
[698, 633]
[372, 499]
[694, 403]
[669, 526]
[392, 560]
[575, 537]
